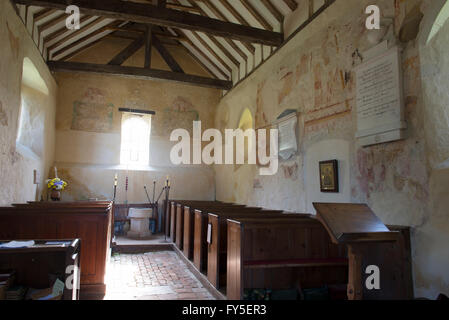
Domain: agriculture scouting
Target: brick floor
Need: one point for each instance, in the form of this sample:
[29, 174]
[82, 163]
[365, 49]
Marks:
[152, 276]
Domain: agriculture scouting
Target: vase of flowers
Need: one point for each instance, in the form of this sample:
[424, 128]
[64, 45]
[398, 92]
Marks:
[55, 186]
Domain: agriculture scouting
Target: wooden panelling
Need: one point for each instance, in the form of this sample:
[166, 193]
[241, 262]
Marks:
[90, 222]
[281, 254]
[217, 249]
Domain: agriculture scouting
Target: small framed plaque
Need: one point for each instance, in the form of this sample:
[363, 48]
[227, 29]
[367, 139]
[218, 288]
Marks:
[329, 176]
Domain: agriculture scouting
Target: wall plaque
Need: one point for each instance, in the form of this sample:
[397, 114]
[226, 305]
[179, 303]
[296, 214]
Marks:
[380, 103]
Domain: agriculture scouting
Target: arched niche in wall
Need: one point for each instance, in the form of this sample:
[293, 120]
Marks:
[246, 122]
[434, 60]
[30, 133]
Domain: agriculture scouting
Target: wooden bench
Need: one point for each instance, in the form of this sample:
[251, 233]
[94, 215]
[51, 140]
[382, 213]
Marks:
[336, 247]
[217, 244]
[189, 225]
[287, 253]
[89, 221]
[178, 226]
[200, 232]
[172, 220]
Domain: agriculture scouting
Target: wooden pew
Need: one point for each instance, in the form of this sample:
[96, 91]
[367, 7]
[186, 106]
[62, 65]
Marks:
[180, 218]
[217, 244]
[189, 226]
[200, 217]
[287, 253]
[308, 254]
[178, 223]
[88, 221]
[173, 211]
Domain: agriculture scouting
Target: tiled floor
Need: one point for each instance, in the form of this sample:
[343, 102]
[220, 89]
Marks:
[152, 276]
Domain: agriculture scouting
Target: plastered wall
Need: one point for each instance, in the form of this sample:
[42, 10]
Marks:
[88, 127]
[314, 74]
[16, 166]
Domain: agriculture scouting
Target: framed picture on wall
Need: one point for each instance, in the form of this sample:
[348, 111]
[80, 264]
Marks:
[329, 176]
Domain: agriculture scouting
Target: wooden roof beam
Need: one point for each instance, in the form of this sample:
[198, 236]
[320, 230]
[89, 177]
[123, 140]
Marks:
[166, 55]
[76, 33]
[230, 42]
[263, 22]
[221, 16]
[126, 53]
[273, 10]
[150, 14]
[62, 30]
[85, 38]
[205, 57]
[139, 73]
[292, 4]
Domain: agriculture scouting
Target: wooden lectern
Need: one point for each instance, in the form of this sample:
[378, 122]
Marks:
[370, 242]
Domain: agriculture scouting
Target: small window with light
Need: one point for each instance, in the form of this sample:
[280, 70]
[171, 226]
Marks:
[135, 142]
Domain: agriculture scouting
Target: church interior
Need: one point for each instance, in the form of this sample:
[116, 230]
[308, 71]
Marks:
[224, 149]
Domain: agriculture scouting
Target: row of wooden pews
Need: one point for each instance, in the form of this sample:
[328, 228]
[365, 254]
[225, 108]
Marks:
[243, 248]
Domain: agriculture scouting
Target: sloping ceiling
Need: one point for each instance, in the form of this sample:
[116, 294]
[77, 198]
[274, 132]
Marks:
[223, 57]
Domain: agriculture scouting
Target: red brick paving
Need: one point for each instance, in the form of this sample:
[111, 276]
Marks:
[152, 276]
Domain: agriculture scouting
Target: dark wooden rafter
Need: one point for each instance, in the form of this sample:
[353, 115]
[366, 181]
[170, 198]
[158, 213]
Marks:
[55, 34]
[182, 7]
[218, 53]
[148, 45]
[127, 52]
[221, 16]
[292, 4]
[311, 8]
[76, 33]
[81, 49]
[26, 15]
[273, 10]
[211, 51]
[42, 14]
[178, 6]
[217, 44]
[165, 54]
[230, 42]
[170, 40]
[326, 5]
[39, 16]
[145, 13]
[203, 55]
[131, 33]
[85, 38]
[225, 51]
[253, 11]
[215, 41]
[234, 12]
[49, 24]
[140, 73]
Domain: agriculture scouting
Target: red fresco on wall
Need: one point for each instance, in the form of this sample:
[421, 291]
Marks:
[287, 81]
[260, 118]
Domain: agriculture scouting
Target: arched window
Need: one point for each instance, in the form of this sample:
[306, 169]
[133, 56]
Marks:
[135, 144]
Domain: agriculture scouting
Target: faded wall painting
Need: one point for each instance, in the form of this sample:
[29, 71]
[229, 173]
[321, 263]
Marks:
[180, 115]
[92, 113]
